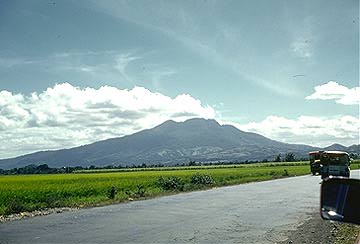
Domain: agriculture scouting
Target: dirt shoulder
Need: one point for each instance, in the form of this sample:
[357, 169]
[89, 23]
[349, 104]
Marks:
[42, 212]
[318, 231]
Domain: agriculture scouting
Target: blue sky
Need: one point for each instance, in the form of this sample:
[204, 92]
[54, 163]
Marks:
[286, 69]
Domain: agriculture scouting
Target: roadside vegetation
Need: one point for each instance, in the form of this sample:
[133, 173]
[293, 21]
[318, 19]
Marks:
[20, 193]
[346, 233]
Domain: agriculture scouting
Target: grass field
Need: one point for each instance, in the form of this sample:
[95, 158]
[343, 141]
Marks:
[347, 233]
[20, 193]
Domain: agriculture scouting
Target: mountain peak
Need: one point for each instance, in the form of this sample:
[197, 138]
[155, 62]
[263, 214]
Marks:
[194, 122]
[201, 121]
[336, 147]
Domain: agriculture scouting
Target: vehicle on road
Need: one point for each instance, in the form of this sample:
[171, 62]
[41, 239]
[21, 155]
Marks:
[330, 163]
[340, 200]
[315, 162]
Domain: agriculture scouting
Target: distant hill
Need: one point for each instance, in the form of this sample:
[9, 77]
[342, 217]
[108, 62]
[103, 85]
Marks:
[339, 147]
[353, 149]
[336, 147]
[169, 143]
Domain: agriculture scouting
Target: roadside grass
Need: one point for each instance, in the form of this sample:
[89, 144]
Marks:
[355, 164]
[20, 193]
[347, 233]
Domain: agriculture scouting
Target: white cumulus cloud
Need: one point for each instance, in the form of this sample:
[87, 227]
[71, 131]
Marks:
[65, 116]
[334, 91]
[311, 130]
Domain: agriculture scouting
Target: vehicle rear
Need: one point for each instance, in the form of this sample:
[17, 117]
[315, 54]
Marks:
[314, 162]
[335, 164]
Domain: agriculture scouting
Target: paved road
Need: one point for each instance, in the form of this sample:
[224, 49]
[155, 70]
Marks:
[252, 213]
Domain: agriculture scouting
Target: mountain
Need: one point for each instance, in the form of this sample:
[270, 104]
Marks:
[354, 149]
[169, 143]
[336, 147]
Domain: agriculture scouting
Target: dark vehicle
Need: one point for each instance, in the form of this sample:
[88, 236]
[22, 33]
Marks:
[340, 200]
[315, 162]
[327, 163]
[334, 163]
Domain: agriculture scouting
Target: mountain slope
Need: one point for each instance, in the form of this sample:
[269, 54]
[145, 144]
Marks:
[336, 147]
[169, 143]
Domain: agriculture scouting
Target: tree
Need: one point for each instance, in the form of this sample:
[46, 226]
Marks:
[192, 163]
[278, 158]
[354, 156]
[289, 157]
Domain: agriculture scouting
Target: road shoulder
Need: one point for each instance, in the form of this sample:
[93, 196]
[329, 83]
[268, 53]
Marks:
[318, 231]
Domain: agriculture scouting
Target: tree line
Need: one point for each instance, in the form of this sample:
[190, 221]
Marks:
[45, 169]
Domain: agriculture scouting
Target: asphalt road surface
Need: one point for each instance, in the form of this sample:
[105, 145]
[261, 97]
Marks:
[261, 212]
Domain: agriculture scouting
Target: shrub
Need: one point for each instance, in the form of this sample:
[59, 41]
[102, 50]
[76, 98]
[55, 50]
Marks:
[51, 200]
[15, 206]
[170, 183]
[139, 192]
[272, 173]
[112, 192]
[202, 179]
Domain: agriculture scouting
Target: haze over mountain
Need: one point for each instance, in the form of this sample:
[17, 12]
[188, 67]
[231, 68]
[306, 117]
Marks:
[170, 143]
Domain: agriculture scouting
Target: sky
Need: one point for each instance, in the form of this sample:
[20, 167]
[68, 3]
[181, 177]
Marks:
[75, 72]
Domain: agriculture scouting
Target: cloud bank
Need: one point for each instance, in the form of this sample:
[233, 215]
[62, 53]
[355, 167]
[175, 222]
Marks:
[65, 116]
[311, 130]
[334, 91]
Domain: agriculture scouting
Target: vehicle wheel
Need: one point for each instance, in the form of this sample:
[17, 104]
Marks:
[313, 173]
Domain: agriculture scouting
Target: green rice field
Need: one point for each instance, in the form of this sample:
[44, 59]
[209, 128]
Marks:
[19, 193]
